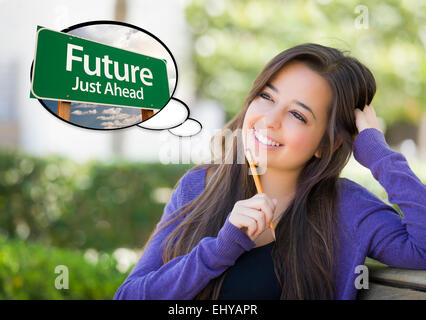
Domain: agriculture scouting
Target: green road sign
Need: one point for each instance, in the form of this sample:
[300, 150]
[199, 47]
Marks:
[70, 68]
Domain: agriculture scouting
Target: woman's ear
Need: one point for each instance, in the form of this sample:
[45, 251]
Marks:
[318, 154]
[338, 143]
[336, 146]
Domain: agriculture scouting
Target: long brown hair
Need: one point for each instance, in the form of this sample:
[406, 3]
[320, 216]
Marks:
[305, 250]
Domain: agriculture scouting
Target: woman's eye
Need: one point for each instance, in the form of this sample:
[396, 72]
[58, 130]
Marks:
[265, 96]
[298, 116]
[295, 114]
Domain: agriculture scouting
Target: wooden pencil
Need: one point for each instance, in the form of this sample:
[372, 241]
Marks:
[257, 182]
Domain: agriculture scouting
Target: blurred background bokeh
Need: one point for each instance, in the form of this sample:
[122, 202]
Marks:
[89, 200]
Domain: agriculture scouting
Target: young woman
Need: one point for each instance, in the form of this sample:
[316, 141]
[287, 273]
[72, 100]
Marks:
[308, 109]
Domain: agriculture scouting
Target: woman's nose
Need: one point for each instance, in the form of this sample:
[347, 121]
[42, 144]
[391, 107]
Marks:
[272, 119]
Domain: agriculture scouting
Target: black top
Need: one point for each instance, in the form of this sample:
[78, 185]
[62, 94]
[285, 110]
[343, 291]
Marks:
[252, 277]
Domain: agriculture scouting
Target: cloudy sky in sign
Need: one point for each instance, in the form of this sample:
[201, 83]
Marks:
[99, 116]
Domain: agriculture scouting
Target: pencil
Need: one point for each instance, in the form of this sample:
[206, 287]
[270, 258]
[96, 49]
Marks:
[257, 182]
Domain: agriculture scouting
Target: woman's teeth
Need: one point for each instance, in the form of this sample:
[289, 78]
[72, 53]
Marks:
[265, 140]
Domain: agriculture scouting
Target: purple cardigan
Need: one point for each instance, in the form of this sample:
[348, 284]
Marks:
[369, 227]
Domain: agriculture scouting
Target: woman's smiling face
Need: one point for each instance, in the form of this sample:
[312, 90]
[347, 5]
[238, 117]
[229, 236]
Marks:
[291, 110]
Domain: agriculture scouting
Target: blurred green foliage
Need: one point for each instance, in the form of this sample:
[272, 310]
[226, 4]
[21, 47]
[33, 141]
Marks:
[27, 271]
[58, 202]
[93, 205]
[235, 39]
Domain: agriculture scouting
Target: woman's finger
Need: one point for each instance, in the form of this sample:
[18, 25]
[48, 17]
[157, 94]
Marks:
[267, 199]
[257, 215]
[264, 203]
[249, 223]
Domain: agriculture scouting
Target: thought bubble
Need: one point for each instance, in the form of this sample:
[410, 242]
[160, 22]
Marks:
[190, 127]
[174, 117]
[172, 114]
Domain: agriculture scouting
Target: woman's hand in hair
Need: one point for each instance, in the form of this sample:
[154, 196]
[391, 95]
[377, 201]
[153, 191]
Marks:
[366, 119]
[253, 215]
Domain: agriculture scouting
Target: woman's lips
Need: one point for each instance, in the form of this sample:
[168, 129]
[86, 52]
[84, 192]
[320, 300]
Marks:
[267, 146]
[267, 137]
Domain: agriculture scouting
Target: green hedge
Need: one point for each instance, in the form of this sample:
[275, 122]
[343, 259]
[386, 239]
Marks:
[101, 205]
[27, 271]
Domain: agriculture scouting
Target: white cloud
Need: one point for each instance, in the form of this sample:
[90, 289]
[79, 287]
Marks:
[119, 123]
[108, 125]
[111, 111]
[82, 105]
[113, 117]
[81, 113]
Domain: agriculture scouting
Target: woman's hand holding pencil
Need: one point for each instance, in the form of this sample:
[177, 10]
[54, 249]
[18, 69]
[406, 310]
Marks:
[253, 215]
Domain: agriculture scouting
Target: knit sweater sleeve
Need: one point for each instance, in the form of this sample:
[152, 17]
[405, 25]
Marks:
[185, 276]
[386, 236]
